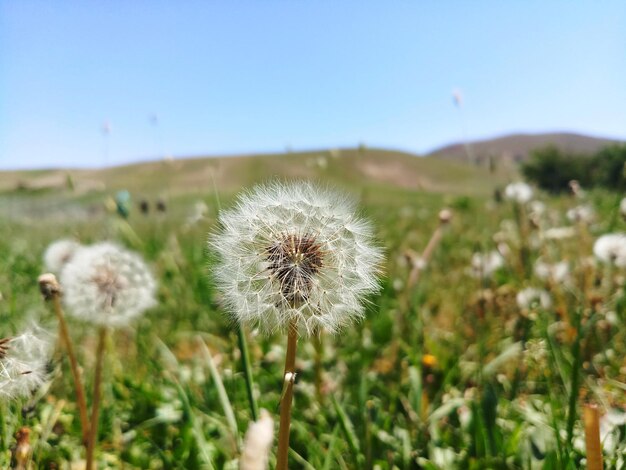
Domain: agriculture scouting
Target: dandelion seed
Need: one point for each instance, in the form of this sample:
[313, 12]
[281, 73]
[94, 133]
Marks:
[107, 285]
[23, 361]
[59, 253]
[295, 253]
[611, 248]
[518, 192]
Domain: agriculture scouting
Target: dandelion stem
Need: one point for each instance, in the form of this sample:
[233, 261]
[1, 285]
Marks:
[78, 383]
[97, 391]
[247, 369]
[287, 397]
[592, 437]
[425, 257]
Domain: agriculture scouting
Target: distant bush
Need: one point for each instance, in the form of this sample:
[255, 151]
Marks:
[552, 169]
[607, 167]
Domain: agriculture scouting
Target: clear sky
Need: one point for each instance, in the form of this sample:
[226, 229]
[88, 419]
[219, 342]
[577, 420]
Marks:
[228, 77]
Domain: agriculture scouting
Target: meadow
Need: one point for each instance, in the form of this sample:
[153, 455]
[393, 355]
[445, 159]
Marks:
[449, 369]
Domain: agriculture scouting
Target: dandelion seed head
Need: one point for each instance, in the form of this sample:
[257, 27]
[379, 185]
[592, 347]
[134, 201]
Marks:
[445, 215]
[537, 208]
[531, 298]
[295, 252]
[484, 265]
[555, 272]
[518, 192]
[107, 285]
[611, 248]
[583, 213]
[23, 361]
[559, 233]
[59, 253]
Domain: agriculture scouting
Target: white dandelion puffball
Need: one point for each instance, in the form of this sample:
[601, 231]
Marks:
[583, 213]
[59, 253]
[559, 233]
[107, 285]
[23, 361]
[531, 298]
[556, 272]
[485, 264]
[518, 192]
[611, 248]
[294, 252]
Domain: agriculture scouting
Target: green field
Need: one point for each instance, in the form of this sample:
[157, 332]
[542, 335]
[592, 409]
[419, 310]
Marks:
[450, 373]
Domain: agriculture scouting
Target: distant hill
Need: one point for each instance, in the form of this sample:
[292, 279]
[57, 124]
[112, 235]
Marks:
[516, 147]
[359, 168]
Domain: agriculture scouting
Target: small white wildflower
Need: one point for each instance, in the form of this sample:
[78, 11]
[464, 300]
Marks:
[295, 253]
[556, 272]
[200, 211]
[583, 213]
[530, 298]
[257, 443]
[537, 208]
[23, 361]
[559, 233]
[59, 253]
[484, 265]
[107, 285]
[519, 192]
[503, 249]
[611, 248]
[398, 284]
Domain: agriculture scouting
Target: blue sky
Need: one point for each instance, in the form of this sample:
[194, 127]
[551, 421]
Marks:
[228, 77]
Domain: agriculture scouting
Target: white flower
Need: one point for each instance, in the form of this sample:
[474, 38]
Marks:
[59, 253]
[257, 443]
[107, 285]
[557, 272]
[295, 253]
[23, 361]
[537, 208]
[200, 211]
[518, 192]
[531, 298]
[484, 265]
[611, 248]
[583, 213]
[559, 233]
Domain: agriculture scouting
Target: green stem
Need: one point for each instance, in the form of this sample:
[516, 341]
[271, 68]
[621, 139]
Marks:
[573, 398]
[247, 370]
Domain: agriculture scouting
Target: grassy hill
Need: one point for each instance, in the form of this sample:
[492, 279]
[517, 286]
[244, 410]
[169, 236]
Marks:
[516, 147]
[375, 168]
